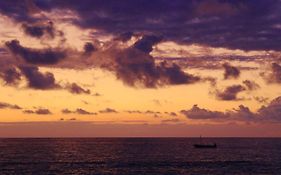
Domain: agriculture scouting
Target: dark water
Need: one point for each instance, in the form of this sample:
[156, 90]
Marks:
[139, 156]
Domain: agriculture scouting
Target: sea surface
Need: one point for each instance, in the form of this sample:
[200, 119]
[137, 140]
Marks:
[140, 156]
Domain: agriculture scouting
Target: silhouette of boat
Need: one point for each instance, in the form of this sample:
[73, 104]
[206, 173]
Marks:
[204, 145]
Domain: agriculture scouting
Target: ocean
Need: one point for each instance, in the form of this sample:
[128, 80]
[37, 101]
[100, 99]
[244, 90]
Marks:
[139, 156]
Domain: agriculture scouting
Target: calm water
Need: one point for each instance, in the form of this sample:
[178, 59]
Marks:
[139, 156]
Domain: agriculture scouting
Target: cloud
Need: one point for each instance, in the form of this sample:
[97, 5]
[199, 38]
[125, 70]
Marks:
[151, 112]
[138, 69]
[84, 112]
[132, 64]
[41, 111]
[175, 120]
[38, 80]
[96, 94]
[276, 72]
[4, 105]
[35, 56]
[19, 11]
[230, 92]
[272, 111]
[78, 111]
[213, 7]
[173, 114]
[66, 111]
[76, 89]
[261, 99]
[269, 113]
[126, 36]
[146, 42]
[251, 85]
[199, 113]
[211, 80]
[155, 114]
[28, 111]
[40, 30]
[134, 111]
[274, 76]
[10, 75]
[230, 71]
[89, 48]
[108, 110]
[241, 114]
[212, 22]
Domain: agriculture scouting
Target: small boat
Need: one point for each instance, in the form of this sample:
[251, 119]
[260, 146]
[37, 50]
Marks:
[204, 145]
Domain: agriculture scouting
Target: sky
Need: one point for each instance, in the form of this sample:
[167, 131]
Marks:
[144, 68]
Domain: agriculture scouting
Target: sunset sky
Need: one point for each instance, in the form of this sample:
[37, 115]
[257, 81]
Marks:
[158, 68]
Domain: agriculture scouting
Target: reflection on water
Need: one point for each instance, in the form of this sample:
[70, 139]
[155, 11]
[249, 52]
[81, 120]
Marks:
[139, 156]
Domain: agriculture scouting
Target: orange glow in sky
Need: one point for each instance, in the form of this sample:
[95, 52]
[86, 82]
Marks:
[62, 73]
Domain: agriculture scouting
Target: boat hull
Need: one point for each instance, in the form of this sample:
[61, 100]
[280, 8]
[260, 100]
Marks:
[204, 146]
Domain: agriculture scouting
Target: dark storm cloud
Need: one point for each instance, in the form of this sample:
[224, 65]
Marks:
[137, 68]
[146, 42]
[41, 111]
[10, 75]
[39, 30]
[35, 56]
[124, 36]
[211, 22]
[38, 80]
[76, 89]
[108, 110]
[230, 92]
[230, 71]
[133, 65]
[247, 25]
[4, 105]
[17, 9]
[89, 48]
